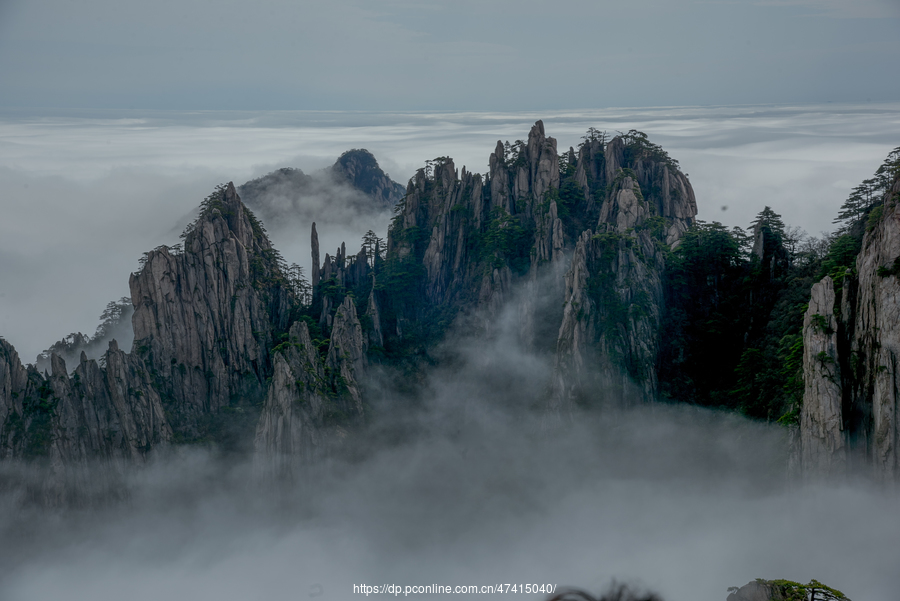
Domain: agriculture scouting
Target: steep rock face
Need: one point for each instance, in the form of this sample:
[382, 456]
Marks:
[340, 275]
[107, 414]
[821, 421]
[574, 356]
[462, 241]
[666, 189]
[868, 347]
[309, 401]
[13, 378]
[290, 430]
[373, 313]
[615, 207]
[346, 358]
[205, 317]
[874, 397]
[608, 341]
[465, 229]
[110, 411]
[314, 243]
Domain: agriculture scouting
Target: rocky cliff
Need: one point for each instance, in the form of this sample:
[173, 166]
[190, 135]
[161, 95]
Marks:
[821, 419]
[605, 217]
[472, 234]
[608, 344]
[205, 317]
[219, 336]
[852, 341]
[107, 412]
[309, 402]
[223, 343]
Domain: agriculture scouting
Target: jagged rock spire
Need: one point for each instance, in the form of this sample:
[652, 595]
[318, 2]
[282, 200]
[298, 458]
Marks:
[314, 239]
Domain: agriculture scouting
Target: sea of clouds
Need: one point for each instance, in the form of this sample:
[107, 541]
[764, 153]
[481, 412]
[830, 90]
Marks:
[468, 483]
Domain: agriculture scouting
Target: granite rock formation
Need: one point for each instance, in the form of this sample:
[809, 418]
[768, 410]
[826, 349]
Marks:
[579, 242]
[604, 216]
[206, 317]
[106, 412]
[216, 337]
[863, 429]
[821, 422]
[608, 344]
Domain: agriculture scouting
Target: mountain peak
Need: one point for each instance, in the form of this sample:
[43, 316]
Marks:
[225, 203]
[360, 169]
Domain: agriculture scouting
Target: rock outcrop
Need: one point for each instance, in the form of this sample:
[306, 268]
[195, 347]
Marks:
[608, 343]
[463, 242]
[873, 418]
[205, 318]
[310, 403]
[290, 430]
[609, 338]
[863, 429]
[217, 336]
[578, 240]
[784, 590]
[106, 413]
[471, 235]
[821, 422]
[103, 410]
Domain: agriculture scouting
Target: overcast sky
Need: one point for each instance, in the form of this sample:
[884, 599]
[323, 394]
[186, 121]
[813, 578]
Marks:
[462, 55]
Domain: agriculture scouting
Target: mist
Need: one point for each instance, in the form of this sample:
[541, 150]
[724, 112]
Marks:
[288, 205]
[466, 483]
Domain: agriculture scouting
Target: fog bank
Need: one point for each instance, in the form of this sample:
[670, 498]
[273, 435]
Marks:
[467, 485]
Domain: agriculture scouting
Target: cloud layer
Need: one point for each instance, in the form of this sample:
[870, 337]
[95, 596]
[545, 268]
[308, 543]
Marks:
[466, 485]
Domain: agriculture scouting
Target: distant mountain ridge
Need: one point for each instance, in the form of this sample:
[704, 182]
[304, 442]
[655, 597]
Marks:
[354, 180]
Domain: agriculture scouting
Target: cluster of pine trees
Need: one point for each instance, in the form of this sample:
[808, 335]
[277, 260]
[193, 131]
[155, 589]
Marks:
[733, 334]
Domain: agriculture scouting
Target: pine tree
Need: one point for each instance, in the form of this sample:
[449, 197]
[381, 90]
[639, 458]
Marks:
[770, 220]
[373, 246]
[300, 286]
[853, 208]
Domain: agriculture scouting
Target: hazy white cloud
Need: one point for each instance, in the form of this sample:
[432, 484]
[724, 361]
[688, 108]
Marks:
[685, 501]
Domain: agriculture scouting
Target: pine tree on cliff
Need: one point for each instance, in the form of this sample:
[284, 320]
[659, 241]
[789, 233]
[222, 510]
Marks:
[767, 219]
